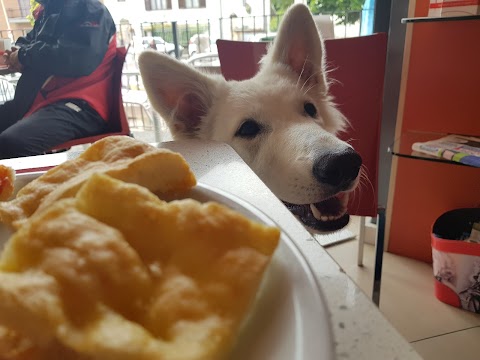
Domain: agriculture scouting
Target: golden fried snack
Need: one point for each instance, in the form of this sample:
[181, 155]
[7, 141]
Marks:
[13, 346]
[121, 157]
[7, 181]
[116, 273]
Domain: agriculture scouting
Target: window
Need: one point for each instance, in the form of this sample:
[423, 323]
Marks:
[158, 4]
[191, 4]
[24, 8]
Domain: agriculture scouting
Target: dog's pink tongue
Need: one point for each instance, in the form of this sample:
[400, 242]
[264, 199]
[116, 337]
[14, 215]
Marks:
[331, 208]
[332, 205]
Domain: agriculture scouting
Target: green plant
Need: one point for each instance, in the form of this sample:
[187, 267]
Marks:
[274, 22]
[33, 6]
[347, 11]
[279, 6]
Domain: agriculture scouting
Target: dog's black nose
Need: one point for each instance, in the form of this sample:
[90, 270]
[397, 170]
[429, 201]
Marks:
[337, 169]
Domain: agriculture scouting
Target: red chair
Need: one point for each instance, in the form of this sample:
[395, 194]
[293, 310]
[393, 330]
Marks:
[239, 60]
[117, 123]
[358, 67]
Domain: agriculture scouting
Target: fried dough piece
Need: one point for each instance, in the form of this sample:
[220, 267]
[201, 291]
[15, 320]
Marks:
[34, 305]
[210, 262]
[91, 259]
[118, 274]
[124, 158]
[16, 347]
[7, 181]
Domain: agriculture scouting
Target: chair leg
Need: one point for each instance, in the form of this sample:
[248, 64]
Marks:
[361, 241]
[379, 248]
[156, 126]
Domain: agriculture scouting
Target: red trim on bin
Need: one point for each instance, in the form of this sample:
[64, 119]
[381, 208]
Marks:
[455, 246]
[446, 295]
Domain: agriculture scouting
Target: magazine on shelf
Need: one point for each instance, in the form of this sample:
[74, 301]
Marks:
[458, 148]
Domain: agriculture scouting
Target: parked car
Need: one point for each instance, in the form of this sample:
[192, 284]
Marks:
[157, 43]
[204, 60]
[201, 43]
[261, 37]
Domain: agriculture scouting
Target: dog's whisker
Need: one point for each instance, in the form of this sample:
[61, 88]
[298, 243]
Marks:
[332, 81]
[305, 92]
[301, 73]
[353, 198]
[363, 180]
[315, 73]
[311, 76]
[327, 70]
[364, 183]
[310, 88]
[303, 85]
[358, 196]
[364, 177]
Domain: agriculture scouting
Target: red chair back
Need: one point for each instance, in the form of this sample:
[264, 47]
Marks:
[239, 60]
[358, 67]
[117, 122]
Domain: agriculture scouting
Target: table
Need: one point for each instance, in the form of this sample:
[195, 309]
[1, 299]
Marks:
[360, 331]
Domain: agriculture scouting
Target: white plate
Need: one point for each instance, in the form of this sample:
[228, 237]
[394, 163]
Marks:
[290, 320]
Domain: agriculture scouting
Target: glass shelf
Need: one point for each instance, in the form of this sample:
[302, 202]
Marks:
[403, 146]
[436, 19]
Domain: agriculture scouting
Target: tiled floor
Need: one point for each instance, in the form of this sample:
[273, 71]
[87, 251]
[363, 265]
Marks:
[436, 330]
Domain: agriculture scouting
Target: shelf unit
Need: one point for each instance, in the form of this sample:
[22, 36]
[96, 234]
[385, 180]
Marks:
[402, 146]
[439, 96]
[439, 19]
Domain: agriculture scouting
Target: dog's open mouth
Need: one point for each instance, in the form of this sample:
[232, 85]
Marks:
[327, 215]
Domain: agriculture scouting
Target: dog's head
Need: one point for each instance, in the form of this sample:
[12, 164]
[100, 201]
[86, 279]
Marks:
[282, 122]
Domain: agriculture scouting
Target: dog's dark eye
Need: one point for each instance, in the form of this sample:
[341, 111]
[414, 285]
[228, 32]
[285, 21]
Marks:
[249, 129]
[310, 109]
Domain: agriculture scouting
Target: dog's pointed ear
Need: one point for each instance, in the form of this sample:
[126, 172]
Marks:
[178, 92]
[298, 45]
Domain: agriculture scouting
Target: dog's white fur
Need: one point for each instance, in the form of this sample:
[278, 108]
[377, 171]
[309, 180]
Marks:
[197, 105]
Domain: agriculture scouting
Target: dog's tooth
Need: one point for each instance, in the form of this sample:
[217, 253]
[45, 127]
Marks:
[317, 214]
[324, 218]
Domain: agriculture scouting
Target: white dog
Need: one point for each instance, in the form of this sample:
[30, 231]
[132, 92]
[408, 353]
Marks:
[282, 122]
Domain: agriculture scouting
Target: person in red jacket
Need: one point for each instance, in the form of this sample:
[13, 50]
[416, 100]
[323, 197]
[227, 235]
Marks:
[65, 88]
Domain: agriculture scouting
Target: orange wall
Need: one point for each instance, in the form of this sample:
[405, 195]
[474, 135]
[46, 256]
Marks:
[442, 94]
[443, 89]
[424, 190]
